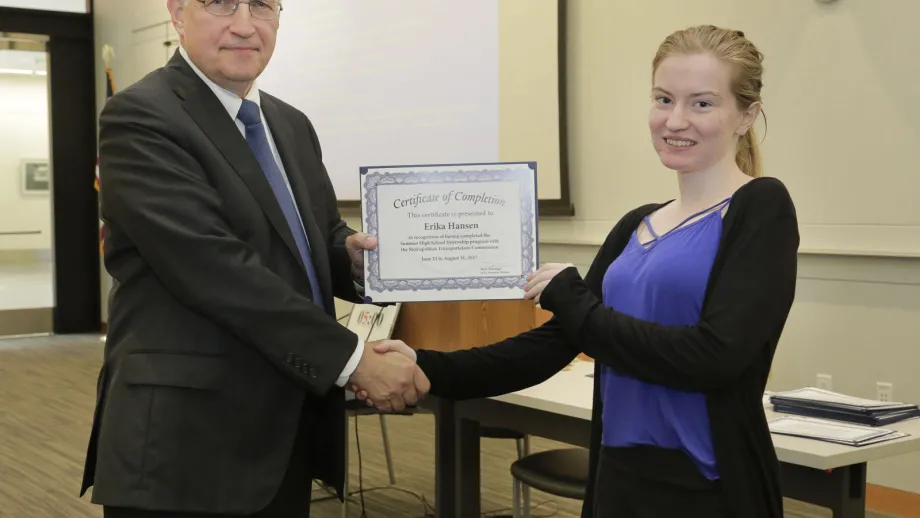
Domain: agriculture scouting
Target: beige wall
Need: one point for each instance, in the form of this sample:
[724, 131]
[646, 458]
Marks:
[528, 89]
[136, 30]
[23, 135]
[842, 122]
[841, 136]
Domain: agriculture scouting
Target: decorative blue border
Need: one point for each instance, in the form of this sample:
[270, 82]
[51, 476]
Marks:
[523, 173]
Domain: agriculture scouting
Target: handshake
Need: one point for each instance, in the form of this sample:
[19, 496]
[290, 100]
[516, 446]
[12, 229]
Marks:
[387, 376]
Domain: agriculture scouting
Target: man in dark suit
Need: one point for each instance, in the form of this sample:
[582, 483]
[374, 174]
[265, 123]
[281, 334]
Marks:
[221, 392]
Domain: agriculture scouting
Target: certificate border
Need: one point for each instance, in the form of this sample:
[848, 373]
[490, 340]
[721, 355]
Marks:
[526, 177]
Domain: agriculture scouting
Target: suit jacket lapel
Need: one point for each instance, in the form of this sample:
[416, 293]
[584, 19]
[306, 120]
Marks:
[207, 111]
[283, 135]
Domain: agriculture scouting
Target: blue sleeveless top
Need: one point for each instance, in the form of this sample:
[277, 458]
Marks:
[662, 281]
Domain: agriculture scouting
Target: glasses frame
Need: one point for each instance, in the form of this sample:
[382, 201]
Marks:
[236, 7]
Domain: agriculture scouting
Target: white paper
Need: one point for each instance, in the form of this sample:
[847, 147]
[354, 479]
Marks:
[69, 6]
[449, 232]
[890, 437]
[408, 82]
[821, 429]
[372, 322]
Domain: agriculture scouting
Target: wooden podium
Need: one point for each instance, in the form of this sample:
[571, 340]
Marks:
[450, 326]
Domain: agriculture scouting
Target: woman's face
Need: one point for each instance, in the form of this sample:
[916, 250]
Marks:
[694, 119]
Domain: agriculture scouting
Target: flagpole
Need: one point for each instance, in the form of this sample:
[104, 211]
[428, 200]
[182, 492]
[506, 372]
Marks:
[108, 54]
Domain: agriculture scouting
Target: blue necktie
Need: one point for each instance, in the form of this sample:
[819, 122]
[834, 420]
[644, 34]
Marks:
[258, 140]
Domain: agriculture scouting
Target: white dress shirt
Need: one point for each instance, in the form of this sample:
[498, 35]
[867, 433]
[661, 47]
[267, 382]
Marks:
[232, 103]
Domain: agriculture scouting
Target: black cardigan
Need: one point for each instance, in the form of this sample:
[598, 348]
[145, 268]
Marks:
[727, 355]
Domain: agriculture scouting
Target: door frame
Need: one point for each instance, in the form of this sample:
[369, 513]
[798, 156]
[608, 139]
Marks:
[75, 205]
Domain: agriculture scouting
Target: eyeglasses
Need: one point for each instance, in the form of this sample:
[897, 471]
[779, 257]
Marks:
[261, 9]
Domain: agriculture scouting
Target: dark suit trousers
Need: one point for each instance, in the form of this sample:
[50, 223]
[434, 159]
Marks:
[291, 501]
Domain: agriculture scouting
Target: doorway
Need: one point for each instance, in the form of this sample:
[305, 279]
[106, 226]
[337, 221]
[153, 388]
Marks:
[26, 230]
[52, 178]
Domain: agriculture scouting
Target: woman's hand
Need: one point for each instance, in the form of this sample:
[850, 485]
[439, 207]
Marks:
[539, 280]
[385, 346]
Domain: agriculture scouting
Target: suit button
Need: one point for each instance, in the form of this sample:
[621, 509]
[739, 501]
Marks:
[289, 358]
[297, 361]
[311, 372]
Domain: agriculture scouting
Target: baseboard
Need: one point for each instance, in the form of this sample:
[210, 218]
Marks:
[20, 322]
[902, 504]
[26, 256]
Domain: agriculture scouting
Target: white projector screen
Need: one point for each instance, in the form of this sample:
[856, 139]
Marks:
[427, 82]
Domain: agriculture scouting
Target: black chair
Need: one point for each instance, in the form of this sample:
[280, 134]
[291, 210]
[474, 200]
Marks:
[562, 472]
[521, 495]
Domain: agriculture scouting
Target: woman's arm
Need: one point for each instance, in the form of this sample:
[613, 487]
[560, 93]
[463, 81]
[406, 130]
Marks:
[526, 359]
[746, 310]
[513, 364]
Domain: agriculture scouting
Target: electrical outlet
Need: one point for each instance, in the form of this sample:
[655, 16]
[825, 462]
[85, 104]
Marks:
[885, 391]
[824, 382]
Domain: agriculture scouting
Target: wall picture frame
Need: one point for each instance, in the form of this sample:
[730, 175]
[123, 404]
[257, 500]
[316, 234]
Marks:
[35, 177]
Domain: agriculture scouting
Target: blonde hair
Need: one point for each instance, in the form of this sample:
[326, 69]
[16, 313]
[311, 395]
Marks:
[731, 47]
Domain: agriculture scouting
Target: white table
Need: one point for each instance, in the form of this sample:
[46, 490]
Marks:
[821, 473]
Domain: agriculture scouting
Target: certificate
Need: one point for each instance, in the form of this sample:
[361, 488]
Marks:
[449, 232]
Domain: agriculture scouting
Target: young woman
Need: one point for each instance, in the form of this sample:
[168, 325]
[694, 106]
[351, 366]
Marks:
[682, 308]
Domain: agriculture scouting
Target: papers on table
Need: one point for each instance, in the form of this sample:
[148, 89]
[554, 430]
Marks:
[828, 431]
[816, 395]
[372, 322]
[815, 402]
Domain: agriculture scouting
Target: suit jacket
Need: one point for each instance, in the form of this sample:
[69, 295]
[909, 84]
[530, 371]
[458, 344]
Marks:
[215, 352]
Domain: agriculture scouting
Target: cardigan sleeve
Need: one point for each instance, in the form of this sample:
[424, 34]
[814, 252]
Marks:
[747, 308]
[513, 364]
[521, 361]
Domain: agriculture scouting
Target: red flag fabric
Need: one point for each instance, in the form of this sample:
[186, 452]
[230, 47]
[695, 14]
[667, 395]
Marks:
[109, 92]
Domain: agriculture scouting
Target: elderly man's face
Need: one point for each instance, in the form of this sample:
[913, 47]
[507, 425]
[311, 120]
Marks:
[231, 50]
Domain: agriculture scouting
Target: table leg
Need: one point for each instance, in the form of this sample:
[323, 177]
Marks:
[842, 490]
[469, 500]
[457, 479]
[852, 501]
[445, 459]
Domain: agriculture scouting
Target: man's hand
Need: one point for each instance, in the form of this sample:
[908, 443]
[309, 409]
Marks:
[355, 245]
[390, 380]
[540, 279]
[422, 384]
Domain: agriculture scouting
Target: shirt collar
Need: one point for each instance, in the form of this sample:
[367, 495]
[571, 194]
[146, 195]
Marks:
[230, 100]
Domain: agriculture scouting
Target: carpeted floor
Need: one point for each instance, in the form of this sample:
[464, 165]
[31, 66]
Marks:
[47, 393]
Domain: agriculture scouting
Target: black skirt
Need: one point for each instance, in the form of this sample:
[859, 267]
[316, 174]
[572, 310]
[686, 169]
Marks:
[650, 482]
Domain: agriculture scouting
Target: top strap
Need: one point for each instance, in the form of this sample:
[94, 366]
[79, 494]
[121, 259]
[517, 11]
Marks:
[648, 225]
[717, 206]
[713, 208]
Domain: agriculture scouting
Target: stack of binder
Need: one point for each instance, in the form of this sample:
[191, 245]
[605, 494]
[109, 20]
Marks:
[824, 404]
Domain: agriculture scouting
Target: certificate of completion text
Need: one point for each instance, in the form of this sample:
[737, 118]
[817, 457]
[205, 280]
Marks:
[458, 232]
